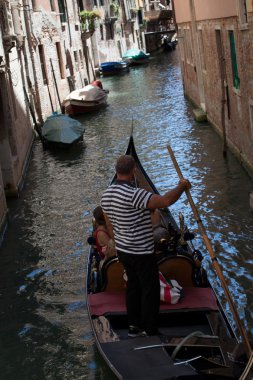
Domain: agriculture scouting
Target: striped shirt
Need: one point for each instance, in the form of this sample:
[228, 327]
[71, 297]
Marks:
[126, 208]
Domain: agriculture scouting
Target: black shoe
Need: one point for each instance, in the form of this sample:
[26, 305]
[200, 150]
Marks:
[135, 332]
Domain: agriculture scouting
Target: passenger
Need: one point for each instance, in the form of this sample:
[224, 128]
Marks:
[104, 243]
[97, 83]
[127, 214]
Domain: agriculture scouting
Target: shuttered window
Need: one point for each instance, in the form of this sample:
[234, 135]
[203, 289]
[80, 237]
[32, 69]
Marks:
[236, 79]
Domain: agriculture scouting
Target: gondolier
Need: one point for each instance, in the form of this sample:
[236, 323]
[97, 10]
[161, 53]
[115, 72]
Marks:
[197, 340]
[127, 211]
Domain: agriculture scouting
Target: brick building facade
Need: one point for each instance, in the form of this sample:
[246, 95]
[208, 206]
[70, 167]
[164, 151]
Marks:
[215, 41]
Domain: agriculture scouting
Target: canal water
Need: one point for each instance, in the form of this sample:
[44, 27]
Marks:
[45, 332]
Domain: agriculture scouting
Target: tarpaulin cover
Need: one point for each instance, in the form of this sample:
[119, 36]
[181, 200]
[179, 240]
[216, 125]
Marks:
[62, 129]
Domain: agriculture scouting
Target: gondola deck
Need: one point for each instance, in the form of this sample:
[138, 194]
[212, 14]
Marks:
[196, 340]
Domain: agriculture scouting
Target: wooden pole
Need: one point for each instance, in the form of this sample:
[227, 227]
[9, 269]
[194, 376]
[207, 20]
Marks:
[56, 87]
[214, 259]
[37, 127]
[50, 98]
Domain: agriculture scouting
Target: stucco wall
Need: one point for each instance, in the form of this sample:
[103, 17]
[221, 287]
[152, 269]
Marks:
[182, 10]
[204, 9]
[215, 9]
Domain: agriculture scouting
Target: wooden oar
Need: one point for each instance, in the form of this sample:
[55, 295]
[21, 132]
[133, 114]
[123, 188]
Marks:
[214, 259]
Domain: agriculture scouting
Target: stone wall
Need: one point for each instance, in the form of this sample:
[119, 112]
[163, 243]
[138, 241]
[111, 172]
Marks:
[26, 34]
[238, 102]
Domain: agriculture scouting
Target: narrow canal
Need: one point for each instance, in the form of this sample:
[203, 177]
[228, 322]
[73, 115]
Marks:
[45, 333]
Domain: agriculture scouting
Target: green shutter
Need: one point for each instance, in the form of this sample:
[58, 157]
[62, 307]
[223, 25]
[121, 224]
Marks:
[236, 79]
[61, 6]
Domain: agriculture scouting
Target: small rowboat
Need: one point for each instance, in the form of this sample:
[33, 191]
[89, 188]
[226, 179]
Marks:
[60, 130]
[113, 68]
[197, 341]
[136, 57]
[88, 99]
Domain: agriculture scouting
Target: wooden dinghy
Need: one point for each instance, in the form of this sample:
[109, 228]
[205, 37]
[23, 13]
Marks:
[196, 341]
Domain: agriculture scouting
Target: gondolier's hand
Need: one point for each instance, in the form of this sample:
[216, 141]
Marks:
[186, 183]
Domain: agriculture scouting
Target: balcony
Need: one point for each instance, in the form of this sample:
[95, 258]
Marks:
[159, 15]
[112, 13]
[133, 14]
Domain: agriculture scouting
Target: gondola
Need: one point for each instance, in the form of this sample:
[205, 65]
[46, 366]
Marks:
[196, 340]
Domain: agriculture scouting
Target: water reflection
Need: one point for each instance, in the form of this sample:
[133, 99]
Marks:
[44, 325]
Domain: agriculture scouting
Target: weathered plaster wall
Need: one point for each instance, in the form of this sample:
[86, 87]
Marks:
[215, 9]
[205, 9]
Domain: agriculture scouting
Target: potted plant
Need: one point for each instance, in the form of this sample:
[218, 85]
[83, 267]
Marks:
[88, 21]
[133, 13]
[114, 9]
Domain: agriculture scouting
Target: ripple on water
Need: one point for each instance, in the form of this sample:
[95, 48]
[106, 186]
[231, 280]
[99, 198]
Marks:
[46, 327]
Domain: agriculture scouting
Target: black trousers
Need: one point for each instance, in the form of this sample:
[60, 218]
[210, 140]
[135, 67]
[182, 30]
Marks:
[143, 291]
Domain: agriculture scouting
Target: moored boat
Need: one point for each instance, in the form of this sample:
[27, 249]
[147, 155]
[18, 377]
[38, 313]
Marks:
[113, 68]
[196, 340]
[61, 130]
[136, 57]
[88, 99]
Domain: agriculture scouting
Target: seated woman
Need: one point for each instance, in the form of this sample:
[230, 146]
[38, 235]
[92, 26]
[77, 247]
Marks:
[104, 243]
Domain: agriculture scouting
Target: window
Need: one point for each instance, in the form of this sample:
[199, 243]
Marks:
[81, 58]
[74, 10]
[43, 63]
[132, 30]
[101, 31]
[80, 3]
[140, 16]
[59, 56]
[34, 5]
[243, 12]
[202, 50]
[76, 60]
[61, 6]
[236, 79]
[52, 5]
